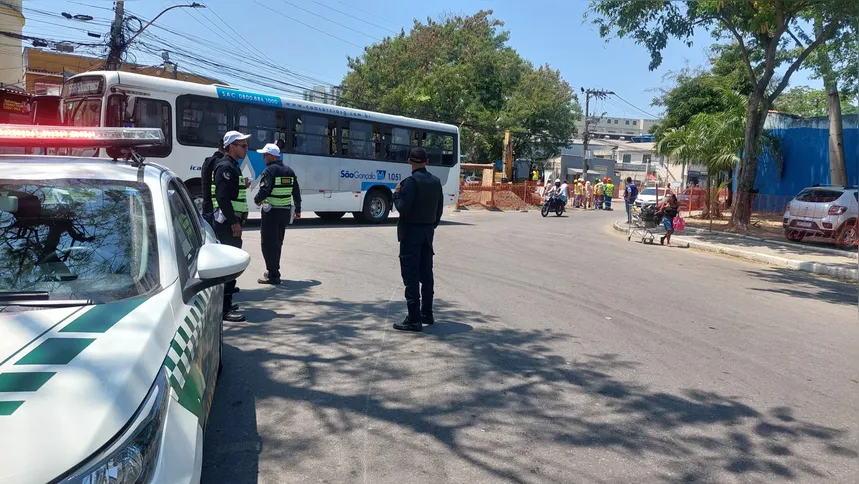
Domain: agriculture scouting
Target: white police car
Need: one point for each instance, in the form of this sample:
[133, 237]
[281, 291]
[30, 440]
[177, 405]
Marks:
[110, 315]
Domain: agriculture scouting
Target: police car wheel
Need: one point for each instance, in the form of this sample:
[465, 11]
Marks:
[376, 207]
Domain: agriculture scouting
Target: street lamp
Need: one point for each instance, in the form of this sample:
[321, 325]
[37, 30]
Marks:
[118, 45]
[192, 5]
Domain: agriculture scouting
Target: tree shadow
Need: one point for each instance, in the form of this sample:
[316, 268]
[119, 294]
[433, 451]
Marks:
[800, 285]
[507, 406]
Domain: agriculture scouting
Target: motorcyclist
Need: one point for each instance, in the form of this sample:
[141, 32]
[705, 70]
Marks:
[555, 190]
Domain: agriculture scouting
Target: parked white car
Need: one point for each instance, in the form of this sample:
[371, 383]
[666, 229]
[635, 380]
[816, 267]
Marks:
[111, 290]
[648, 196]
[824, 211]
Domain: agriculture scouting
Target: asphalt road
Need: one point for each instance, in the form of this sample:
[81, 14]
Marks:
[562, 354]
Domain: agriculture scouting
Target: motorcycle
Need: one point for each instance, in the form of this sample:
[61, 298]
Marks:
[553, 203]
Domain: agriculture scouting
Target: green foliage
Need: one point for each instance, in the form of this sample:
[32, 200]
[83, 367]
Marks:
[693, 93]
[809, 102]
[459, 70]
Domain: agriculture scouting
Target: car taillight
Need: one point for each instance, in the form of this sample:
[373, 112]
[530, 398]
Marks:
[837, 210]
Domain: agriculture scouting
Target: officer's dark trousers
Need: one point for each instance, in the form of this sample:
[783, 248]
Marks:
[225, 236]
[416, 266]
[272, 229]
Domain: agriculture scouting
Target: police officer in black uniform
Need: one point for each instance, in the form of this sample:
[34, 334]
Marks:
[419, 200]
[278, 193]
[232, 206]
[206, 173]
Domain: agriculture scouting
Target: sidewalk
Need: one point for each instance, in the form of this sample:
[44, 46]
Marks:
[800, 257]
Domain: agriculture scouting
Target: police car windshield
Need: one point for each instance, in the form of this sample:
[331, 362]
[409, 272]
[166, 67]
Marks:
[77, 239]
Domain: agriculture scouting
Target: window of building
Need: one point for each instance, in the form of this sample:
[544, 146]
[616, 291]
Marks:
[315, 135]
[635, 123]
[202, 121]
[645, 158]
[140, 112]
[616, 121]
[627, 158]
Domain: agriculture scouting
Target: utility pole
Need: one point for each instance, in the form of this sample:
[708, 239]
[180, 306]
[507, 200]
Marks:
[117, 38]
[117, 35]
[599, 94]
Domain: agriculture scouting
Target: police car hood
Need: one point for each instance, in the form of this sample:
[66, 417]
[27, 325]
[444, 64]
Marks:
[71, 378]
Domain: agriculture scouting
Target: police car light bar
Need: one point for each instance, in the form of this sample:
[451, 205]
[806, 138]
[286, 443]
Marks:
[78, 137]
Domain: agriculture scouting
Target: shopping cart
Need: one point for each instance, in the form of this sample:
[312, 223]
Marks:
[646, 223]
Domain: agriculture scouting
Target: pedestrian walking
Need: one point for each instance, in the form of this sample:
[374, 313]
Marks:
[419, 201]
[230, 206]
[279, 197]
[669, 210]
[629, 196]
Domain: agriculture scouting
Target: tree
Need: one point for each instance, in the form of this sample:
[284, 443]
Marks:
[459, 70]
[694, 92]
[809, 102]
[760, 29]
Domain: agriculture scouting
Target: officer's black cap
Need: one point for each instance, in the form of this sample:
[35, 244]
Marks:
[418, 155]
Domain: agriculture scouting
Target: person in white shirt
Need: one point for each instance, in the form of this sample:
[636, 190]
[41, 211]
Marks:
[565, 192]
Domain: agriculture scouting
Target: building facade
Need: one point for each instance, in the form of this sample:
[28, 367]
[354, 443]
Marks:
[620, 126]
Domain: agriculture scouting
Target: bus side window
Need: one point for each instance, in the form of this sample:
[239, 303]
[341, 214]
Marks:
[202, 121]
[400, 144]
[358, 139]
[448, 150]
[148, 113]
[315, 135]
[260, 123]
[433, 144]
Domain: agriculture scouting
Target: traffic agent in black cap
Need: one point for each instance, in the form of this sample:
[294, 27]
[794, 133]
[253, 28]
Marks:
[419, 201]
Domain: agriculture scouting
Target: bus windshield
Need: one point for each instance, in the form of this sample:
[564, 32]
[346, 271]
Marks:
[82, 112]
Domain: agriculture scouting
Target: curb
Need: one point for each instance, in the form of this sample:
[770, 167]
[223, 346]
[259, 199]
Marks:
[835, 252]
[797, 265]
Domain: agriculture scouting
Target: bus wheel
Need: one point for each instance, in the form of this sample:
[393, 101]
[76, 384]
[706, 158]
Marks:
[377, 206]
[330, 216]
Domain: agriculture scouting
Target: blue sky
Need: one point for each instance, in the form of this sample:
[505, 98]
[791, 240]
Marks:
[312, 38]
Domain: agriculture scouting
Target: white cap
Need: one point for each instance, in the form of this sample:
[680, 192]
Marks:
[270, 149]
[557, 180]
[233, 136]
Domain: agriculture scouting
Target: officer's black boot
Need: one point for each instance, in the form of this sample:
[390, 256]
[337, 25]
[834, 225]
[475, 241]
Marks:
[409, 324]
[427, 319]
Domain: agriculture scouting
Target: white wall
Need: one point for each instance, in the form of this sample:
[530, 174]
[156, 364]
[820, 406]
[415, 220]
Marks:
[11, 59]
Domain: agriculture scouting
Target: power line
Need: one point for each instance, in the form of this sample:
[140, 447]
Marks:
[356, 17]
[308, 25]
[332, 21]
[636, 107]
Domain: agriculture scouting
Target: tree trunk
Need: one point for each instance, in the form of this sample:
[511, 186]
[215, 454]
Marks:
[837, 164]
[756, 115]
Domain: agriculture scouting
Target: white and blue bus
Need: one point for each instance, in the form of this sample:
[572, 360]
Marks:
[347, 160]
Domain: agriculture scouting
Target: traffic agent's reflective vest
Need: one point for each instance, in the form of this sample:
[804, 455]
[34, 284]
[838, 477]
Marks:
[240, 204]
[609, 190]
[600, 189]
[281, 194]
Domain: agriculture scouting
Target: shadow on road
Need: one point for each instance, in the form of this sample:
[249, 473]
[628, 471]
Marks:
[797, 284]
[346, 222]
[509, 404]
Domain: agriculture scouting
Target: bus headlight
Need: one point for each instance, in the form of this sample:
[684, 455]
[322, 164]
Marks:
[131, 458]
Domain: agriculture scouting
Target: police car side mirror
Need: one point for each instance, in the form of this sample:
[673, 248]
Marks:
[216, 264]
[8, 203]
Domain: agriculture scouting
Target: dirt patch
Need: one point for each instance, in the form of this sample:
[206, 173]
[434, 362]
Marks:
[763, 226]
[503, 200]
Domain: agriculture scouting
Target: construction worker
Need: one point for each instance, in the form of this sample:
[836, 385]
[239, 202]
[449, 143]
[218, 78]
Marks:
[599, 192]
[230, 206]
[278, 194]
[609, 193]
